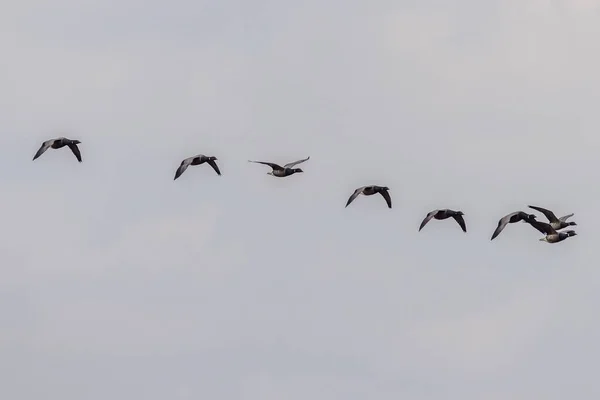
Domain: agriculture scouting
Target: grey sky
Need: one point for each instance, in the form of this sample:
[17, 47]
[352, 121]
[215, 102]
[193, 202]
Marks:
[119, 283]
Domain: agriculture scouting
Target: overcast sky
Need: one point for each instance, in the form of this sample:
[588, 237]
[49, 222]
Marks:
[119, 283]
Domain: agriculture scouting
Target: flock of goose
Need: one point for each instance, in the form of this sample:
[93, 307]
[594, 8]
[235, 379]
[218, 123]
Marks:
[550, 229]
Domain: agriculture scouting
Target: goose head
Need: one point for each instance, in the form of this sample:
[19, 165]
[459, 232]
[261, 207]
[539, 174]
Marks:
[297, 170]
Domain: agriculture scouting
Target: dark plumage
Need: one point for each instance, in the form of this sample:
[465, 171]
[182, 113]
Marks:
[59, 143]
[551, 236]
[369, 191]
[197, 160]
[556, 223]
[511, 219]
[280, 171]
[445, 214]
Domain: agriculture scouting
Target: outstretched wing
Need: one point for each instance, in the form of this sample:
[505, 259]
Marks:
[290, 165]
[182, 167]
[353, 196]
[214, 166]
[549, 214]
[272, 165]
[461, 222]
[75, 151]
[427, 219]
[501, 224]
[543, 227]
[45, 146]
[386, 196]
[566, 217]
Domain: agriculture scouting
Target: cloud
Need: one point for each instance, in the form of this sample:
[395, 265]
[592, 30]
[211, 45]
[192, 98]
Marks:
[121, 282]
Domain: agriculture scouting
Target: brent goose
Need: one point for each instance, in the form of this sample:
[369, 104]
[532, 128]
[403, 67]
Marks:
[197, 160]
[59, 143]
[556, 223]
[280, 171]
[444, 214]
[551, 235]
[371, 190]
[511, 219]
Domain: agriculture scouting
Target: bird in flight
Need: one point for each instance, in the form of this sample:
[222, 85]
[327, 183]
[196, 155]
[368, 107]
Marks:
[371, 190]
[551, 235]
[197, 160]
[511, 219]
[57, 144]
[286, 170]
[556, 223]
[445, 214]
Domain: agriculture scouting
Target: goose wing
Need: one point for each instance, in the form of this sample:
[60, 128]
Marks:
[543, 227]
[427, 219]
[566, 217]
[75, 151]
[502, 224]
[549, 214]
[353, 196]
[45, 146]
[214, 166]
[272, 165]
[290, 165]
[182, 167]
[386, 196]
[461, 222]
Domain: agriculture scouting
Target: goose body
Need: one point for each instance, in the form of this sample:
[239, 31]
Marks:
[197, 160]
[445, 214]
[556, 223]
[281, 172]
[511, 219]
[551, 235]
[59, 143]
[369, 191]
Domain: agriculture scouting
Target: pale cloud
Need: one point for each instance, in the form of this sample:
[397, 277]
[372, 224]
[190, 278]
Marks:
[485, 334]
[119, 282]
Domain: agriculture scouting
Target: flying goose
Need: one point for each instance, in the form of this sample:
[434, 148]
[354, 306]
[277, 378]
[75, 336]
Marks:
[445, 214]
[371, 190]
[57, 144]
[556, 223]
[197, 160]
[511, 219]
[280, 171]
[551, 235]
